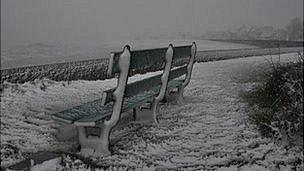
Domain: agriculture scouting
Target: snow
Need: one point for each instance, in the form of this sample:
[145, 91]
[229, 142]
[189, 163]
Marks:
[49, 165]
[209, 130]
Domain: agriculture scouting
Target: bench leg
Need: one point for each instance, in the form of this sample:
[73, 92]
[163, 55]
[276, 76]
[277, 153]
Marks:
[143, 114]
[171, 96]
[180, 96]
[166, 97]
[94, 145]
[153, 109]
[174, 95]
[146, 113]
[66, 132]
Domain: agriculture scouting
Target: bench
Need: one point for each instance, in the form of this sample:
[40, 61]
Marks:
[103, 114]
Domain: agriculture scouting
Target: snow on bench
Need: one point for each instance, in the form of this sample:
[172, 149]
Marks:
[105, 113]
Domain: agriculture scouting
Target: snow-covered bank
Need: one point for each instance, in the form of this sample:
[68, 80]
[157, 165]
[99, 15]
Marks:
[95, 69]
[209, 130]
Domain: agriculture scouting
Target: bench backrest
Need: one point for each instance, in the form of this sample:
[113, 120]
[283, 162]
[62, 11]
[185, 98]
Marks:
[139, 60]
[183, 58]
[155, 58]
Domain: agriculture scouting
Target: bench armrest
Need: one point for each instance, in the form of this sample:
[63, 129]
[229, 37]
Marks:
[107, 96]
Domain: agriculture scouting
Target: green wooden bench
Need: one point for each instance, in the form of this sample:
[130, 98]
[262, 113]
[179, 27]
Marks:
[105, 113]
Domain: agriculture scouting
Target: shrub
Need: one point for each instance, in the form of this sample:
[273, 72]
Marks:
[277, 105]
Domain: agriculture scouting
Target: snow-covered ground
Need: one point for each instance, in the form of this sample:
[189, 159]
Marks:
[210, 130]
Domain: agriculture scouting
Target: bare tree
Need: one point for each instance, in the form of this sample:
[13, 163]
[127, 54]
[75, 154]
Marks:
[294, 29]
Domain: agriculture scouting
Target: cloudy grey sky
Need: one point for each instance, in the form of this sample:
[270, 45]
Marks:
[66, 21]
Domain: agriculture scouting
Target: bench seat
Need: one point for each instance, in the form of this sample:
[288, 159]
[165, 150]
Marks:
[91, 113]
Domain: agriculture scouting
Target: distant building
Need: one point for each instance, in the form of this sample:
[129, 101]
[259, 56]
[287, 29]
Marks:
[267, 33]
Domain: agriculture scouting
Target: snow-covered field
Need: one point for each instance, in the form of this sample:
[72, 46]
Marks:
[41, 53]
[210, 130]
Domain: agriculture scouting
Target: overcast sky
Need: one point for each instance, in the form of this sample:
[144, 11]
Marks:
[73, 21]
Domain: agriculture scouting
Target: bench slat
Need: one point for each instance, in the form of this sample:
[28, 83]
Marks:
[143, 85]
[181, 52]
[177, 72]
[140, 60]
[174, 84]
[75, 113]
[134, 88]
[128, 104]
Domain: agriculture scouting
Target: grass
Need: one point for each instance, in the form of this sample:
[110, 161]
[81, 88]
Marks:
[276, 106]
